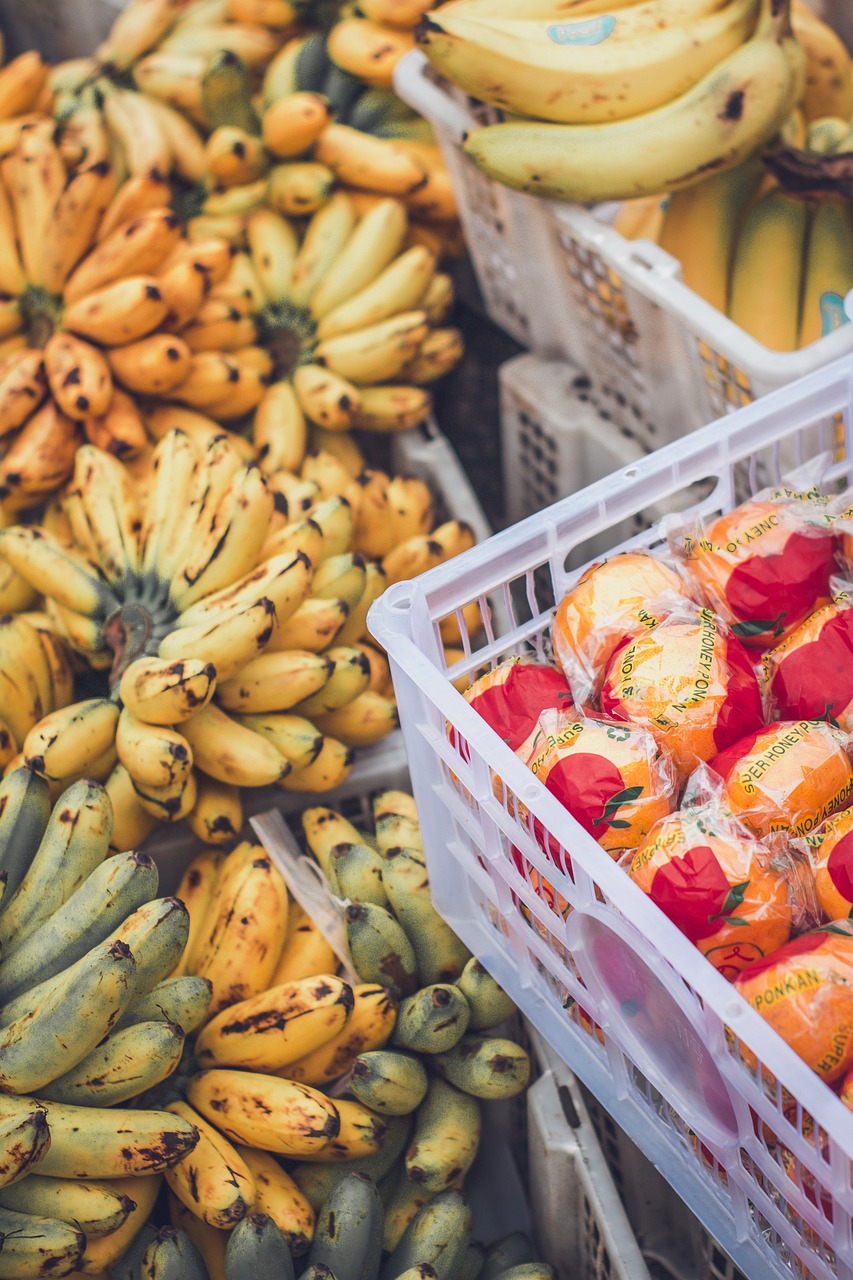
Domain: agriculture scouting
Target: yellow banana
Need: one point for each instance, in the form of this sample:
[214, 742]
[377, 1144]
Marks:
[400, 287]
[829, 74]
[279, 431]
[135, 30]
[79, 213]
[313, 626]
[35, 177]
[375, 242]
[233, 157]
[440, 351]
[368, 50]
[277, 1195]
[393, 408]
[369, 1027]
[171, 803]
[296, 741]
[66, 742]
[378, 352]
[265, 1111]
[327, 234]
[326, 398]
[376, 164]
[827, 271]
[108, 516]
[217, 816]
[213, 1181]
[102, 1254]
[348, 679]
[306, 951]
[227, 644]
[137, 129]
[134, 197]
[152, 365]
[183, 140]
[361, 1134]
[300, 188]
[154, 756]
[329, 769]
[136, 248]
[132, 824]
[78, 375]
[275, 682]
[119, 313]
[21, 83]
[196, 891]
[164, 693]
[230, 752]
[293, 124]
[362, 722]
[765, 290]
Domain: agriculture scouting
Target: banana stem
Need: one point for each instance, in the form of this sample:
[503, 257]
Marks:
[289, 333]
[128, 633]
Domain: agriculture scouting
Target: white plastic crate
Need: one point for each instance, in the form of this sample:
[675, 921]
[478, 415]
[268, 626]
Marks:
[59, 29]
[664, 1067]
[661, 360]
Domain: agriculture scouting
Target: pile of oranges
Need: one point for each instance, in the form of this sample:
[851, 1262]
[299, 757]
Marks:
[697, 721]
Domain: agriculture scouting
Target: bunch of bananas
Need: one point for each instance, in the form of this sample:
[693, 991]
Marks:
[88, 1017]
[619, 101]
[37, 677]
[24, 95]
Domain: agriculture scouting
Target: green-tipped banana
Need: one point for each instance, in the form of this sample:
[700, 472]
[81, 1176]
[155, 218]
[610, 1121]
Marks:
[324, 830]
[38, 1246]
[355, 872]
[183, 1001]
[437, 1235]
[257, 1248]
[24, 1140]
[317, 1181]
[394, 1084]
[24, 815]
[74, 844]
[348, 1234]
[113, 890]
[511, 1251]
[129, 1266]
[95, 1207]
[171, 1255]
[405, 1199]
[433, 1020]
[440, 954]
[226, 94]
[489, 1003]
[446, 1137]
[485, 1067]
[121, 1067]
[396, 820]
[156, 934]
[380, 950]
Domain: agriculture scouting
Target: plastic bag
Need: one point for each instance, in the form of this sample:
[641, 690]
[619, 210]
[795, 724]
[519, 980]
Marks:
[809, 676]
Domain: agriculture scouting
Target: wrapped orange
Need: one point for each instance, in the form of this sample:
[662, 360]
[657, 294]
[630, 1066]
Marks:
[766, 565]
[717, 884]
[830, 852]
[810, 674]
[804, 990]
[689, 682]
[614, 599]
[512, 696]
[788, 776]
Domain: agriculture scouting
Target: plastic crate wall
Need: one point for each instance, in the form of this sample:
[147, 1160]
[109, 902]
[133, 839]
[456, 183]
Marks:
[59, 29]
[673, 1054]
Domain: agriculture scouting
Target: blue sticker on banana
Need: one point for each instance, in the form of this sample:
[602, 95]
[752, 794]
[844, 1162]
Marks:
[594, 31]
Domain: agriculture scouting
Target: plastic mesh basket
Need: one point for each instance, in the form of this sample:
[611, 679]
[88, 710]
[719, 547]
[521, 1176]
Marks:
[672, 1065]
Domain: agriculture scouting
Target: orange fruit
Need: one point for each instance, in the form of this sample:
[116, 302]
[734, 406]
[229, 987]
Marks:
[717, 885]
[763, 566]
[831, 852]
[788, 776]
[810, 674]
[805, 992]
[512, 696]
[611, 601]
[690, 683]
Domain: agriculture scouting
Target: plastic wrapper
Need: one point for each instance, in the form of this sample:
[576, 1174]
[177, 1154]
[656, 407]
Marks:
[804, 990]
[789, 776]
[614, 600]
[724, 889]
[810, 674]
[766, 565]
[829, 851]
[689, 682]
[511, 697]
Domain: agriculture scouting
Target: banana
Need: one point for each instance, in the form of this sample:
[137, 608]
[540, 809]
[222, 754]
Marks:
[279, 431]
[326, 398]
[404, 1202]
[134, 197]
[380, 671]
[55, 571]
[132, 824]
[306, 951]
[23, 386]
[766, 273]
[268, 13]
[235, 201]
[305, 534]
[164, 693]
[75, 842]
[277, 1026]
[441, 956]
[313, 626]
[123, 1065]
[35, 178]
[175, 459]
[209, 1241]
[137, 247]
[196, 891]
[375, 242]
[256, 1246]
[295, 739]
[355, 627]
[94, 1208]
[292, 124]
[355, 874]
[329, 769]
[446, 1138]
[348, 1237]
[21, 84]
[138, 132]
[213, 1181]
[154, 756]
[39, 459]
[437, 302]
[342, 447]
[76, 218]
[368, 50]
[265, 1111]
[389, 1082]
[171, 1255]
[829, 74]
[325, 830]
[24, 814]
[360, 160]
[217, 816]
[135, 30]
[398, 288]
[369, 1027]
[118, 886]
[39, 1246]
[361, 1135]
[326, 236]
[433, 1020]
[488, 1003]
[723, 119]
[300, 188]
[182, 1001]
[228, 645]
[252, 45]
[317, 1181]
[712, 210]
[380, 949]
[276, 682]
[153, 365]
[182, 139]
[114, 1255]
[347, 673]
[24, 1140]
[282, 579]
[229, 751]
[437, 1236]
[234, 158]
[119, 313]
[78, 375]
[108, 516]
[393, 408]
[485, 1067]
[277, 1195]
[157, 935]
[827, 271]
[440, 351]
[366, 720]
[243, 936]
[68, 741]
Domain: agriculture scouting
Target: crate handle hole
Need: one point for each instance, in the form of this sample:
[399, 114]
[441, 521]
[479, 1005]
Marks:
[630, 473]
[568, 1106]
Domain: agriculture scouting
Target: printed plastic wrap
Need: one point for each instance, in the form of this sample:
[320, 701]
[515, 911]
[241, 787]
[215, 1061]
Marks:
[724, 889]
[789, 776]
[766, 565]
[809, 676]
[829, 850]
[690, 682]
[512, 696]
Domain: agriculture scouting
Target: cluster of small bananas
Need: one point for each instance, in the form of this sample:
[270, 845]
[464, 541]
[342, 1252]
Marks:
[611, 107]
[88, 1018]
[36, 664]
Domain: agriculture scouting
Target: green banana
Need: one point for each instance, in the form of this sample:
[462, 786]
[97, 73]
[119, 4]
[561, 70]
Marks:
[528, 1271]
[433, 1020]
[257, 1248]
[68, 1016]
[111, 1142]
[471, 1263]
[394, 1084]
[24, 815]
[75, 841]
[38, 1246]
[312, 64]
[157, 935]
[105, 898]
[488, 1002]
[437, 1235]
[485, 1067]
[355, 872]
[441, 956]
[94, 1207]
[129, 1265]
[120, 1067]
[226, 94]
[24, 1140]
[317, 1181]
[348, 1232]
[171, 1255]
[511, 1251]
[396, 830]
[380, 950]
[446, 1137]
[421, 1271]
[184, 1001]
